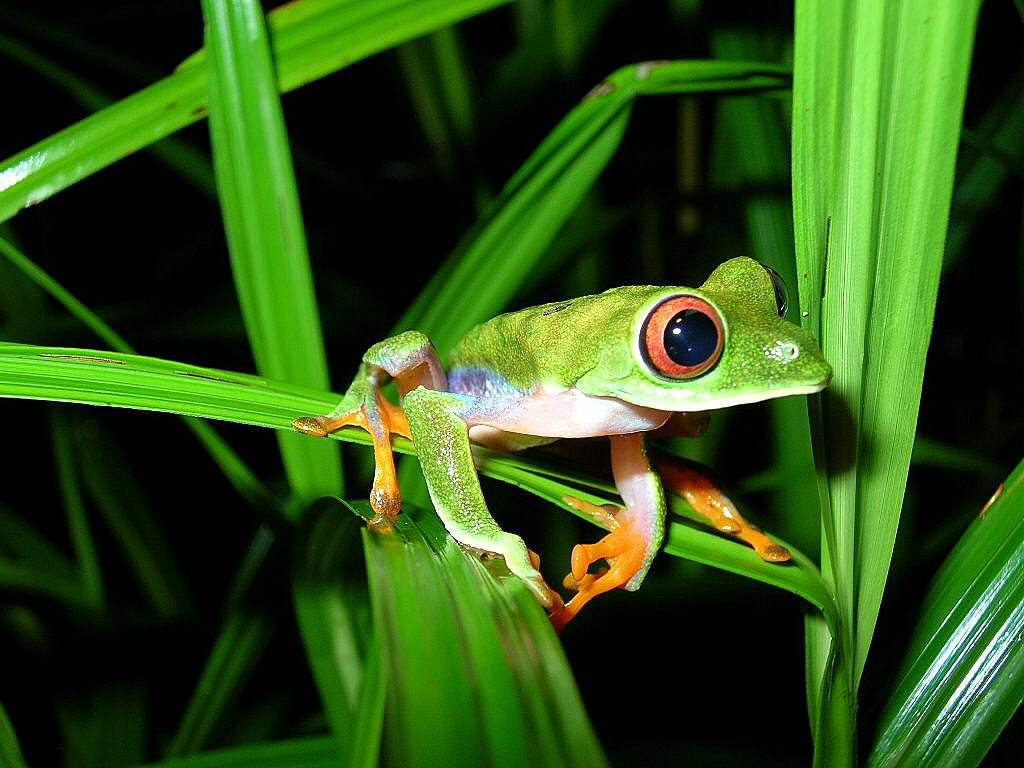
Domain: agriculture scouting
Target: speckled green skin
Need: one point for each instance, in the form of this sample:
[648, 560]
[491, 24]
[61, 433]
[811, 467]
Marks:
[592, 343]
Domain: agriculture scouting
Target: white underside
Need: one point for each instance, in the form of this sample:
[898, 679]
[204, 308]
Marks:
[567, 414]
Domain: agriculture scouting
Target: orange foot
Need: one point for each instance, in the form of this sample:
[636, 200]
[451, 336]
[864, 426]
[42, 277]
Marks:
[625, 550]
[707, 499]
[381, 418]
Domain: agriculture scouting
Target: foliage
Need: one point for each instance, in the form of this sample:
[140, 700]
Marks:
[205, 600]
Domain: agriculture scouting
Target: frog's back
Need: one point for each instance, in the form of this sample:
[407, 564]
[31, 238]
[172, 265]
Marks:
[544, 347]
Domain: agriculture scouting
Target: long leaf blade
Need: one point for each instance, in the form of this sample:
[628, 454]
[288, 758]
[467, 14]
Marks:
[878, 96]
[266, 237]
[964, 671]
[310, 38]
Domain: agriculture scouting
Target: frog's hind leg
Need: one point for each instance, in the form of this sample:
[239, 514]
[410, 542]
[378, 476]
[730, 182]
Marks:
[636, 531]
[440, 424]
[707, 499]
[411, 361]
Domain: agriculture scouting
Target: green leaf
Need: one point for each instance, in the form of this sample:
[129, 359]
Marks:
[310, 39]
[878, 92]
[332, 608]
[104, 726]
[235, 470]
[182, 158]
[10, 750]
[78, 521]
[498, 255]
[306, 752]
[239, 646]
[266, 238]
[125, 508]
[476, 673]
[963, 674]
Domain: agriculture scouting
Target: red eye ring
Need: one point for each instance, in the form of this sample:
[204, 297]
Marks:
[660, 323]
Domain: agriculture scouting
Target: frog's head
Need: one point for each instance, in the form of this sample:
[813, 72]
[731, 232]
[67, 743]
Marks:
[724, 344]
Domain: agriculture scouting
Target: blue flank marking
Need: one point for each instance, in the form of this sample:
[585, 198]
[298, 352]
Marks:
[480, 381]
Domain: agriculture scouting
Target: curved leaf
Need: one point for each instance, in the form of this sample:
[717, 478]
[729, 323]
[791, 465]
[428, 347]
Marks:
[310, 39]
[963, 676]
[477, 675]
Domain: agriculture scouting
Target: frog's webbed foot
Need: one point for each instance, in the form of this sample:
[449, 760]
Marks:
[625, 549]
[707, 499]
[380, 418]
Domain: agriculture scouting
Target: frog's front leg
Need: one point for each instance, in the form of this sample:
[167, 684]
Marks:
[440, 427]
[636, 531]
[707, 499]
[411, 361]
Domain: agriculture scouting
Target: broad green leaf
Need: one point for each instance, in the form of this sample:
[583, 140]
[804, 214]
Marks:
[266, 237]
[306, 752]
[239, 645]
[310, 39]
[963, 674]
[449, 622]
[878, 95]
[10, 750]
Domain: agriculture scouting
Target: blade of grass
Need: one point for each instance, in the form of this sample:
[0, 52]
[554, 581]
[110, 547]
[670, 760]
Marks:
[497, 256]
[10, 750]
[963, 674]
[239, 645]
[311, 39]
[306, 752]
[104, 726]
[263, 222]
[448, 623]
[332, 608]
[244, 480]
[126, 510]
[181, 157]
[30, 548]
[25, 579]
[878, 97]
[78, 522]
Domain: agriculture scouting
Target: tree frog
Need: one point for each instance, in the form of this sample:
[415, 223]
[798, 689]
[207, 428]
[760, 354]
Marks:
[624, 364]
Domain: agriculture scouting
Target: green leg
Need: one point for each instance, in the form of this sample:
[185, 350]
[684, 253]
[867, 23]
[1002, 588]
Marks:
[410, 359]
[442, 445]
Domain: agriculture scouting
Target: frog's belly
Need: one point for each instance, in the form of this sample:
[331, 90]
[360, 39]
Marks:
[554, 415]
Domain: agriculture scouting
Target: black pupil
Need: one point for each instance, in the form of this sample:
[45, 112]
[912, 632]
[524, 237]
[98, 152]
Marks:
[690, 337]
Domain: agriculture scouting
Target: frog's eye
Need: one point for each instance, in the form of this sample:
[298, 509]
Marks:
[683, 337]
[781, 299]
